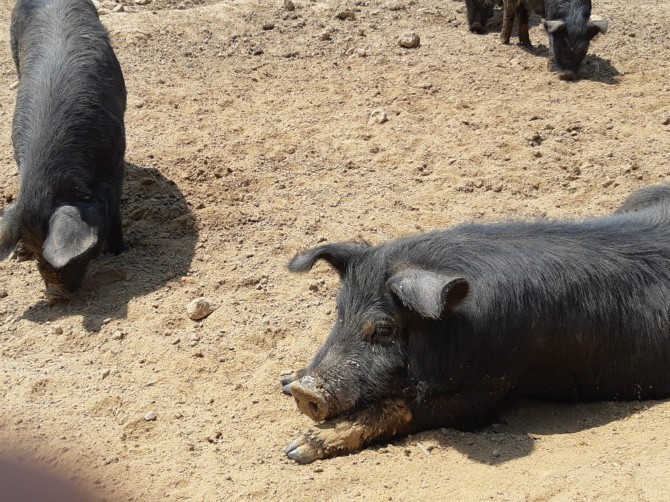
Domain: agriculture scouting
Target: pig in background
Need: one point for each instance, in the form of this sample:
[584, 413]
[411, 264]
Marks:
[443, 329]
[570, 32]
[69, 141]
[521, 11]
[479, 12]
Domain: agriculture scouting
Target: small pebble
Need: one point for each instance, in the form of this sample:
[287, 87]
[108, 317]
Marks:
[200, 308]
[325, 36]
[119, 335]
[118, 8]
[14, 85]
[150, 417]
[409, 40]
[289, 5]
[57, 329]
[268, 26]
[345, 14]
[105, 373]
[3, 293]
[377, 116]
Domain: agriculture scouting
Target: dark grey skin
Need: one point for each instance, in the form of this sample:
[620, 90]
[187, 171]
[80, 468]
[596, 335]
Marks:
[69, 141]
[520, 10]
[646, 197]
[570, 33]
[479, 12]
[443, 329]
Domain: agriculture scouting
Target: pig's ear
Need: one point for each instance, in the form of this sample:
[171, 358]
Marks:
[69, 237]
[554, 27]
[595, 27]
[9, 232]
[428, 293]
[337, 255]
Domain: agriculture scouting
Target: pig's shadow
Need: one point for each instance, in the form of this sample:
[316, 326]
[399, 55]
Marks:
[160, 237]
[598, 69]
[593, 67]
[525, 422]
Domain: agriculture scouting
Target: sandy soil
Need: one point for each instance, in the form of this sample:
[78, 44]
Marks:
[248, 141]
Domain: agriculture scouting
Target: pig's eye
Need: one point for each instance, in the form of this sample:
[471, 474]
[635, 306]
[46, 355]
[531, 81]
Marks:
[383, 334]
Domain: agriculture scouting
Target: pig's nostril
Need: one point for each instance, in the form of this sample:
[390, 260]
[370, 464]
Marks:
[310, 402]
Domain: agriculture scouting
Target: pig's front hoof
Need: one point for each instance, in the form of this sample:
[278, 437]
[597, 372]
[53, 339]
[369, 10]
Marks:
[303, 451]
[329, 439]
[288, 379]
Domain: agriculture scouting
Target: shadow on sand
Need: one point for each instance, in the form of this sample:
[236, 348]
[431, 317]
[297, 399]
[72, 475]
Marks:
[525, 422]
[160, 237]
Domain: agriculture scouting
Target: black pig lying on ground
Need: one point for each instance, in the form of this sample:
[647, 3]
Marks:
[479, 12]
[69, 141]
[570, 33]
[521, 10]
[442, 329]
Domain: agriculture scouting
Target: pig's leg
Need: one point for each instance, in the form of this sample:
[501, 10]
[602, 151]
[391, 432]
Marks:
[115, 235]
[344, 435]
[524, 15]
[393, 418]
[509, 14]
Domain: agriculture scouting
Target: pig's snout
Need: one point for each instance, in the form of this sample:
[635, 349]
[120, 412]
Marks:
[567, 75]
[58, 293]
[309, 399]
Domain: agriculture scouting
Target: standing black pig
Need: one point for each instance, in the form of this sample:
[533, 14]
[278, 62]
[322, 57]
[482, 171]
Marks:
[479, 12]
[442, 329]
[570, 32]
[69, 141]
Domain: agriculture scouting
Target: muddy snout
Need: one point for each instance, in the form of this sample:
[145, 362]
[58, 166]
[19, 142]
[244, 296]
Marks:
[310, 400]
[567, 75]
[57, 293]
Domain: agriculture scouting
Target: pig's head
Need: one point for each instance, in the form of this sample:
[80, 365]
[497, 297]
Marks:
[365, 359]
[62, 249]
[479, 12]
[569, 40]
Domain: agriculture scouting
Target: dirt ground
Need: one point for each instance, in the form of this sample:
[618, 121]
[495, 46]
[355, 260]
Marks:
[249, 140]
